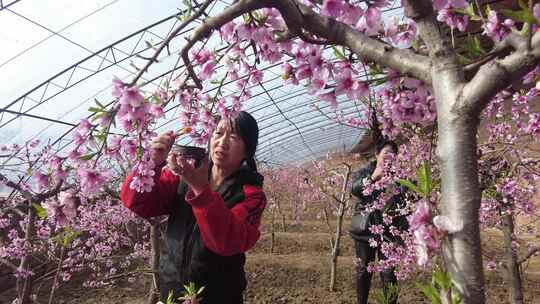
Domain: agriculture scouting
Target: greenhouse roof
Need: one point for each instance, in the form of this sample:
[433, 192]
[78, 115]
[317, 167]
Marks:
[58, 57]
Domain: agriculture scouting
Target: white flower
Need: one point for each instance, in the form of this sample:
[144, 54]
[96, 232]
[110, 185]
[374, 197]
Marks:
[444, 223]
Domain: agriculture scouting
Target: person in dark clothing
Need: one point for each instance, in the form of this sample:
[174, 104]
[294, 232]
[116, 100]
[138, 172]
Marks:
[214, 211]
[365, 254]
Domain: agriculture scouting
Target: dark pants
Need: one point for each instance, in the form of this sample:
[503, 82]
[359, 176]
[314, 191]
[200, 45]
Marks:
[232, 299]
[366, 254]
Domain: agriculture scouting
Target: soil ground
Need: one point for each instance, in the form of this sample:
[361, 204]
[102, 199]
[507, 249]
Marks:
[298, 272]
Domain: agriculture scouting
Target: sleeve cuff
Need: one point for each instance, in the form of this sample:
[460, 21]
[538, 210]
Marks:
[202, 199]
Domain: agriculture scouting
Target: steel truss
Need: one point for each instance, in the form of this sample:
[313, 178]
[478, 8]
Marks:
[301, 129]
[110, 55]
[5, 3]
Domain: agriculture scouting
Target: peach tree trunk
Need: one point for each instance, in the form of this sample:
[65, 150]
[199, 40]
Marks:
[337, 243]
[460, 199]
[513, 267]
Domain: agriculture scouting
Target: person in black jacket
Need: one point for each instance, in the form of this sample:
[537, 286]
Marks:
[365, 254]
[214, 211]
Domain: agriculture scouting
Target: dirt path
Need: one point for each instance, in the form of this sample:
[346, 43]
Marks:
[298, 272]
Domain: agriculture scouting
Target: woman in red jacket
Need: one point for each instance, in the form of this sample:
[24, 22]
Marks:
[214, 211]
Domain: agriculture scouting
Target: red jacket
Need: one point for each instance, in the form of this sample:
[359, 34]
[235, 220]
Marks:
[224, 231]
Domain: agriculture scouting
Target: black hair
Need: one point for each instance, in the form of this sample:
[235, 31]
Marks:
[246, 126]
[386, 143]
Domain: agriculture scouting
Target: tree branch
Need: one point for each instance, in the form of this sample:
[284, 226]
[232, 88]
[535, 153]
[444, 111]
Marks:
[531, 253]
[289, 13]
[299, 17]
[9, 264]
[503, 48]
[498, 74]
[421, 11]
[45, 195]
[27, 195]
[166, 42]
[402, 60]
[512, 41]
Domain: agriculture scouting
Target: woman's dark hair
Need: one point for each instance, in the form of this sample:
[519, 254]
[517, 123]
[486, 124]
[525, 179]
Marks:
[246, 126]
[384, 143]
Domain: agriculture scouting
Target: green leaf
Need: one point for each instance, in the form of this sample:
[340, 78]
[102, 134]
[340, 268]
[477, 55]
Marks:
[40, 211]
[471, 49]
[408, 184]
[415, 44]
[247, 18]
[69, 235]
[476, 47]
[258, 17]
[98, 116]
[99, 103]
[94, 109]
[424, 179]
[379, 82]
[456, 297]
[469, 11]
[522, 4]
[523, 15]
[524, 30]
[463, 60]
[170, 297]
[339, 54]
[87, 156]
[375, 69]
[430, 292]
[101, 137]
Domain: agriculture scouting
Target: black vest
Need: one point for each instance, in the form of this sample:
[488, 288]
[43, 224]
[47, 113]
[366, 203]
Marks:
[185, 258]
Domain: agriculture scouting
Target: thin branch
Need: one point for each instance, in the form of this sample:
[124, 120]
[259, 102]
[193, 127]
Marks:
[214, 23]
[512, 41]
[480, 11]
[166, 42]
[57, 274]
[14, 210]
[299, 17]
[531, 253]
[45, 195]
[369, 49]
[9, 264]
[421, 11]
[3, 179]
[498, 74]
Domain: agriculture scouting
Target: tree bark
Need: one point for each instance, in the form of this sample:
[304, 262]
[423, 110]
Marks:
[512, 263]
[457, 155]
[282, 216]
[24, 284]
[57, 274]
[335, 248]
[153, 294]
[460, 199]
